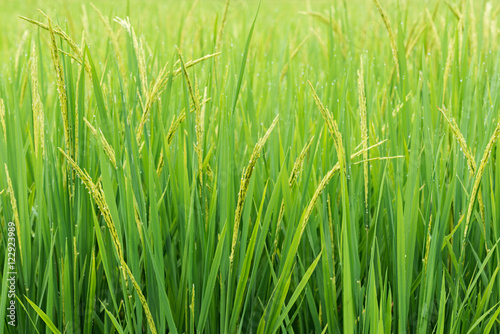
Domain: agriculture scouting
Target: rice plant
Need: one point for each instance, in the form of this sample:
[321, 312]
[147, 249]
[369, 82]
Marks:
[233, 166]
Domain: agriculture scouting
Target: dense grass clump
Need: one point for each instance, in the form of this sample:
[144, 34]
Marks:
[229, 166]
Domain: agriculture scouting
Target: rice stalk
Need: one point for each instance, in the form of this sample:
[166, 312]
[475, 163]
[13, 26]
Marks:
[453, 9]
[331, 125]
[142, 63]
[326, 179]
[335, 169]
[158, 87]
[276, 232]
[144, 303]
[108, 149]
[138, 221]
[428, 243]
[296, 170]
[218, 44]
[200, 128]
[471, 162]
[98, 196]
[331, 22]
[384, 103]
[435, 34]
[173, 127]
[58, 31]
[477, 182]
[316, 15]
[330, 228]
[299, 162]
[15, 212]
[139, 52]
[340, 165]
[461, 141]
[77, 111]
[191, 308]
[63, 301]
[413, 42]
[170, 136]
[364, 128]
[61, 87]
[392, 38]
[38, 115]
[114, 39]
[245, 181]
[72, 56]
[192, 92]
[400, 105]
[412, 31]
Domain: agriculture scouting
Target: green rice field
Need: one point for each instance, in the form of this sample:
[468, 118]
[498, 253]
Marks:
[236, 166]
